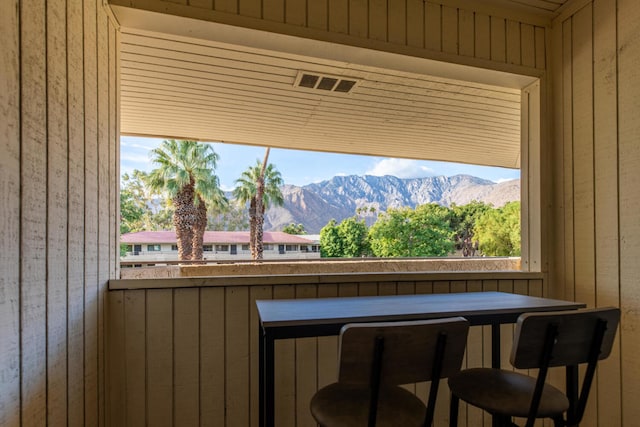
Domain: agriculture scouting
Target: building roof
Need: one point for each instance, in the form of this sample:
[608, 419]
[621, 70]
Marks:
[213, 237]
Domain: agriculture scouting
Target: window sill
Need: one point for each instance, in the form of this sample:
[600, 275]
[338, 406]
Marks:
[343, 271]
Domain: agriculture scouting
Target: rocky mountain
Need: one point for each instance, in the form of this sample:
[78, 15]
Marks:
[314, 205]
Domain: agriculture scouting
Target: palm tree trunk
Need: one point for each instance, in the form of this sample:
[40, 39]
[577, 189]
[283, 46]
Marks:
[253, 218]
[260, 235]
[183, 222]
[260, 208]
[199, 226]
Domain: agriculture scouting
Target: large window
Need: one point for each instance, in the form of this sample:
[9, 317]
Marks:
[469, 210]
[482, 127]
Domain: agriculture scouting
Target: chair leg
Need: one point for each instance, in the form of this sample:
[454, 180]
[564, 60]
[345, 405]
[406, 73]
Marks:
[453, 411]
[504, 421]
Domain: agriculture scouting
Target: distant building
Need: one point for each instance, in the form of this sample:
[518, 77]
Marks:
[158, 246]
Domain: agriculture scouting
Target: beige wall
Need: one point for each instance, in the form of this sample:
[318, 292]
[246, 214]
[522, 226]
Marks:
[207, 372]
[58, 169]
[189, 356]
[455, 30]
[596, 122]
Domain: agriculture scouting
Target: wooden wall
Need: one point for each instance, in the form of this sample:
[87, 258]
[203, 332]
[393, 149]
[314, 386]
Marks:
[58, 181]
[596, 88]
[454, 30]
[58, 169]
[189, 356]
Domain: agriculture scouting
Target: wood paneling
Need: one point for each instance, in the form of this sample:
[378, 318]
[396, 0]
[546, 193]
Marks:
[212, 356]
[33, 225]
[91, 215]
[197, 347]
[498, 39]
[606, 194]
[206, 87]
[205, 93]
[583, 166]
[57, 181]
[159, 366]
[567, 160]
[440, 25]
[76, 212]
[57, 202]
[58, 87]
[317, 14]
[628, 49]
[10, 356]
[595, 119]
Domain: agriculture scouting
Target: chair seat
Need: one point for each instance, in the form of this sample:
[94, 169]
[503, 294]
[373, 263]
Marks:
[505, 393]
[344, 405]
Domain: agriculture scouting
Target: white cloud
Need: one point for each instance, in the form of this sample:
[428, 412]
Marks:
[402, 168]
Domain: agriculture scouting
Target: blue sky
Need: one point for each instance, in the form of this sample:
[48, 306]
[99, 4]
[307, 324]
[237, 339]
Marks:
[304, 167]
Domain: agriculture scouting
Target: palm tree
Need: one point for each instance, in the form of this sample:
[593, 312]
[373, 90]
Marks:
[260, 186]
[185, 172]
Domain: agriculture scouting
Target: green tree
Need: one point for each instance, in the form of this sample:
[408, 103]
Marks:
[498, 231]
[185, 172]
[156, 210]
[259, 186]
[140, 208]
[131, 213]
[348, 239]
[355, 237]
[423, 232]
[294, 229]
[130, 216]
[330, 241]
[463, 220]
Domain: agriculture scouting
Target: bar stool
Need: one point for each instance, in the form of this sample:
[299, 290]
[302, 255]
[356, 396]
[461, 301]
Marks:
[375, 358]
[542, 340]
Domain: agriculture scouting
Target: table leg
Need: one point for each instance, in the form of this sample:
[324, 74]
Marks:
[269, 388]
[495, 346]
[261, 375]
[495, 357]
[266, 380]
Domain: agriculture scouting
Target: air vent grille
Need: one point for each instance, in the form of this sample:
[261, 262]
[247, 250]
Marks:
[309, 80]
[326, 83]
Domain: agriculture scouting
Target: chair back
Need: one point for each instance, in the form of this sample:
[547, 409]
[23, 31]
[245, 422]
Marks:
[575, 332]
[409, 350]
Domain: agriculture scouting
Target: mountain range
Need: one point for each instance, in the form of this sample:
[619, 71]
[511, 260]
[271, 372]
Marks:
[314, 205]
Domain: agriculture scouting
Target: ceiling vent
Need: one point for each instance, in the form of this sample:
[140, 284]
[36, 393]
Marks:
[324, 82]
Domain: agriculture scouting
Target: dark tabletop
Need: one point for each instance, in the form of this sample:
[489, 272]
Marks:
[317, 311]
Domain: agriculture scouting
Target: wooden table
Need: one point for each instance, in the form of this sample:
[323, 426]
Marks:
[316, 317]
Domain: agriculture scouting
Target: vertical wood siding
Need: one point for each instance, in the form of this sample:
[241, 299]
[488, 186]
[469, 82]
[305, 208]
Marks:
[628, 108]
[189, 356]
[58, 176]
[596, 54]
[10, 214]
[433, 26]
[57, 234]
